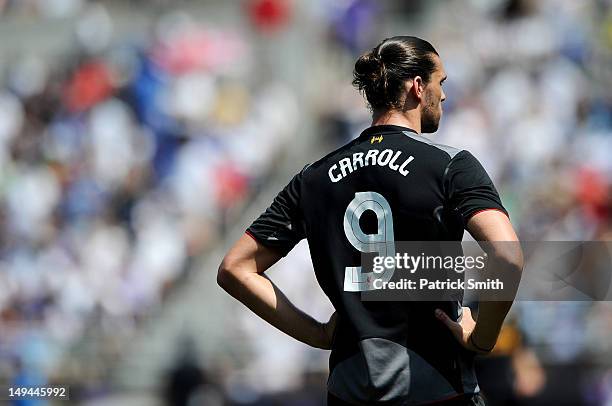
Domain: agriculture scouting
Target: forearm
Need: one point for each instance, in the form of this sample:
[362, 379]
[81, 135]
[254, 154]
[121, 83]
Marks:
[493, 310]
[258, 293]
[491, 317]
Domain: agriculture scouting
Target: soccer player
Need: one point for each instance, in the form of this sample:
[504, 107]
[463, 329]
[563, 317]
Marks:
[387, 184]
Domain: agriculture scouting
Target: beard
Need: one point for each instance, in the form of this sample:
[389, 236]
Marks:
[430, 116]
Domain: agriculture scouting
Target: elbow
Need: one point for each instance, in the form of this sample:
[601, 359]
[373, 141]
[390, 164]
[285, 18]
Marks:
[506, 255]
[226, 274]
[510, 258]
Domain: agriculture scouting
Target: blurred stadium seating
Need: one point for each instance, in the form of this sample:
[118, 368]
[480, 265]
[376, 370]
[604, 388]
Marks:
[138, 138]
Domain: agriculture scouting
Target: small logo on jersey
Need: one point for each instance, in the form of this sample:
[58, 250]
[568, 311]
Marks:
[377, 139]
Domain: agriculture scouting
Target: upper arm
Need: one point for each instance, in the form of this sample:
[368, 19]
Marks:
[468, 188]
[492, 229]
[491, 225]
[271, 236]
[248, 255]
[281, 226]
[472, 194]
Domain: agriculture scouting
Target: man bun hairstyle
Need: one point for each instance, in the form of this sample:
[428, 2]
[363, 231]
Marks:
[380, 73]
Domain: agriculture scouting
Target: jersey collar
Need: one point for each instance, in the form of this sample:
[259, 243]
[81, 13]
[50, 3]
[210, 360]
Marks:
[385, 129]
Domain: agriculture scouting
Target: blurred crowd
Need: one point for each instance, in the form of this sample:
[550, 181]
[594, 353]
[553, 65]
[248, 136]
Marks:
[123, 160]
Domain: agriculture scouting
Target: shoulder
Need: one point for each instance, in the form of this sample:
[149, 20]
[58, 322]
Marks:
[449, 151]
[464, 160]
[331, 156]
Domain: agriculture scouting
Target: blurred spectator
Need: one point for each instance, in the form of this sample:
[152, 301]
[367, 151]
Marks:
[187, 380]
[120, 163]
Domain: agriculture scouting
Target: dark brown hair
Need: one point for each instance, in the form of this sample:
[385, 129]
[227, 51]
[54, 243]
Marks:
[381, 73]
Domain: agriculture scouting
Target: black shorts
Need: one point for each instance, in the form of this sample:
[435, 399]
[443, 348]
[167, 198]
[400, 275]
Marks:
[469, 400]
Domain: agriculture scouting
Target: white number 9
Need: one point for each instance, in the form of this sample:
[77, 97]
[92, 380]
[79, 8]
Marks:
[382, 242]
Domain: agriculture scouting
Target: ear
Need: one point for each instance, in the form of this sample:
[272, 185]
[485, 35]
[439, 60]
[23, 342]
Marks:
[415, 87]
[418, 85]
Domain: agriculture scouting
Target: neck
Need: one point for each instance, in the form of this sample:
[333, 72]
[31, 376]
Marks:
[410, 119]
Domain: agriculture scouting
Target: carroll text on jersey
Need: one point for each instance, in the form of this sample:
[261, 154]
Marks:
[388, 157]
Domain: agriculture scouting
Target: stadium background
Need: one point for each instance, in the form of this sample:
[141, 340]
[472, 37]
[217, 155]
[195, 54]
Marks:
[138, 139]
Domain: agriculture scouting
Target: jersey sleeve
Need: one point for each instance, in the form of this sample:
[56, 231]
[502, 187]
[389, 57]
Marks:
[469, 188]
[281, 227]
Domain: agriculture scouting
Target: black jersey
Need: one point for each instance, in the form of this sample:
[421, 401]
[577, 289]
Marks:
[398, 185]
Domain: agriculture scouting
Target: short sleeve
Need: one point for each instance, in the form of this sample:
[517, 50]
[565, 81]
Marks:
[468, 188]
[281, 226]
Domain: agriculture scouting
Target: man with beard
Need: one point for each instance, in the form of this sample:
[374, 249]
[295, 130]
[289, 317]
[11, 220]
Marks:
[389, 184]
